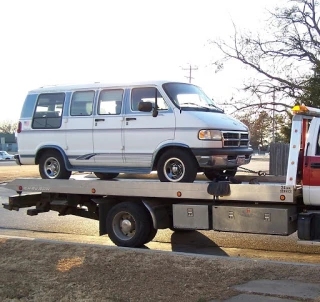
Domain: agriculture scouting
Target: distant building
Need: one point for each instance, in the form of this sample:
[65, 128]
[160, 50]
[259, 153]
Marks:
[8, 142]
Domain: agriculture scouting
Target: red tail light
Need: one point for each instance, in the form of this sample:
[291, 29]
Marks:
[19, 127]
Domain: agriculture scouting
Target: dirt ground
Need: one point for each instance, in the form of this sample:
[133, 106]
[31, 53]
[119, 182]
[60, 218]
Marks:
[42, 271]
[8, 173]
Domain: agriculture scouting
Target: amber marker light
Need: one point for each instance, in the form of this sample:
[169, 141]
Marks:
[282, 197]
[179, 194]
[299, 109]
[93, 190]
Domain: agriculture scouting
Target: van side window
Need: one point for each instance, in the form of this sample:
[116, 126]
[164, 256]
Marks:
[81, 103]
[48, 113]
[110, 102]
[147, 94]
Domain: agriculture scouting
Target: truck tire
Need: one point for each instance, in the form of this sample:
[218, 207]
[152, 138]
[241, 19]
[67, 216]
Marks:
[128, 224]
[106, 176]
[177, 166]
[213, 174]
[51, 166]
[152, 234]
[181, 230]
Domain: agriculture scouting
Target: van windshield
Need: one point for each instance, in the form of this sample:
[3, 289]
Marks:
[189, 97]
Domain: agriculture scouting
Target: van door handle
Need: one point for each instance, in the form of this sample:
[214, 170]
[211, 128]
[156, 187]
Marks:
[130, 118]
[315, 165]
[99, 120]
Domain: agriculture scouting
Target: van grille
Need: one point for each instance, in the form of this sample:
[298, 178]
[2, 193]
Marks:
[235, 139]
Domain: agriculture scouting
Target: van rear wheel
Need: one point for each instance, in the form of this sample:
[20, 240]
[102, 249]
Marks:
[51, 166]
[177, 165]
[106, 176]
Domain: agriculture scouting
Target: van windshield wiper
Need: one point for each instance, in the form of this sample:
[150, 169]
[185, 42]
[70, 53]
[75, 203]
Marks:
[216, 107]
[194, 104]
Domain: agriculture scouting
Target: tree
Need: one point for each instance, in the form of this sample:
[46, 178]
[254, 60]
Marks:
[285, 58]
[8, 126]
[260, 126]
[263, 128]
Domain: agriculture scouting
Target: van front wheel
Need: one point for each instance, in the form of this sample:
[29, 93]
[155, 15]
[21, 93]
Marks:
[51, 166]
[177, 166]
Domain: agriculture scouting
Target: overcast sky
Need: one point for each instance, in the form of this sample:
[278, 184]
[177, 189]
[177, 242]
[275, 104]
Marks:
[59, 42]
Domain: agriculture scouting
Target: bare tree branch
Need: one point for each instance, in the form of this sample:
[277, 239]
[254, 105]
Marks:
[286, 59]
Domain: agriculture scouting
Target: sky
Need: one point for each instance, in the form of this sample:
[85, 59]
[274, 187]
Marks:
[74, 42]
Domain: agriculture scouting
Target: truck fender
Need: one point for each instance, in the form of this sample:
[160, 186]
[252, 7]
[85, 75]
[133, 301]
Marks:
[159, 212]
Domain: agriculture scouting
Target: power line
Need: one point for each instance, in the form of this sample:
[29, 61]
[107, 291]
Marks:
[190, 71]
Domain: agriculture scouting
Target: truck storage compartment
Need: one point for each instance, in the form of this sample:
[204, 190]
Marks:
[250, 218]
[192, 217]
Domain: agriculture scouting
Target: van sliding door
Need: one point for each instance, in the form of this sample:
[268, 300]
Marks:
[107, 129]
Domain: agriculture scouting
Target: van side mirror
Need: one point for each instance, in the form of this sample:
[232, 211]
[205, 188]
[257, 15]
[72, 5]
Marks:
[145, 106]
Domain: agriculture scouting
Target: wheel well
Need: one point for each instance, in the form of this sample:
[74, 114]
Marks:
[163, 150]
[44, 150]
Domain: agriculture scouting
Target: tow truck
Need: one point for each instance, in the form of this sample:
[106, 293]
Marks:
[131, 211]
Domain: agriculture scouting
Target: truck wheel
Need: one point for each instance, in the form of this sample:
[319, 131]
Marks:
[213, 174]
[128, 224]
[51, 166]
[177, 166]
[106, 176]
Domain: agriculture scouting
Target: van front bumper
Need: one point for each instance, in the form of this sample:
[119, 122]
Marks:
[222, 158]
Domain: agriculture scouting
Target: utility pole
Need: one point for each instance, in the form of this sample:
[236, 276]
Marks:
[273, 124]
[190, 71]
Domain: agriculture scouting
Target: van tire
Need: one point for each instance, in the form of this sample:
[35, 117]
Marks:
[129, 224]
[51, 166]
[177, 166]
[106, 176]
[213, 174]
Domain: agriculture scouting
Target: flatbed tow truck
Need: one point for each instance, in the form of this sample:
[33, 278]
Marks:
[131, 211]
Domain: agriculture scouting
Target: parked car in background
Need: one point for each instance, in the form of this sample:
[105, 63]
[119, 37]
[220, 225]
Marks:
[4, 155]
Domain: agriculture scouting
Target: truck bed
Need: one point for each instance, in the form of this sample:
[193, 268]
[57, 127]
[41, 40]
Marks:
[265, 192]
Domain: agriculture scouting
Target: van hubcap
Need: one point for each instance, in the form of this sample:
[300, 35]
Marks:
[51, 167]
[174, 169]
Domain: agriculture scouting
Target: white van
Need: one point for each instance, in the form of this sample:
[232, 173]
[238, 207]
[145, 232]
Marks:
[169, 127]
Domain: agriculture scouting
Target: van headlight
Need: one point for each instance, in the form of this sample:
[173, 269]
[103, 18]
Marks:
[214, 135]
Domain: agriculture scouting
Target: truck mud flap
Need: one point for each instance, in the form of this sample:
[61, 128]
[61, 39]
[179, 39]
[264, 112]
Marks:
[309, 226]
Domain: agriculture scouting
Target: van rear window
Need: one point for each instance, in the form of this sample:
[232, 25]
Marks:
[48, 112]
